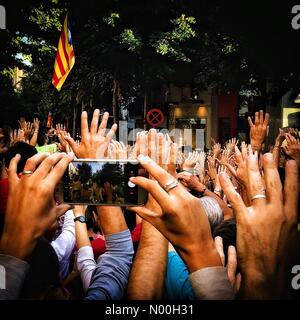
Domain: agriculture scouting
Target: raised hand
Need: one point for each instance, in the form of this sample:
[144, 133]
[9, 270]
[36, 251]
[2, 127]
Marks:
[94, 142]
[292, 148]
[191, 160]
[240, 173]
[140, 146]
[182, 220]
[235, 279]
[118, 150]
[264, 228]
[191, 181]
[17, 135]
[32, 218]
[258, 130]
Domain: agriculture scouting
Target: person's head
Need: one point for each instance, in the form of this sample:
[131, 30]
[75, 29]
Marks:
[212, 210]
[42, 138]
[24, 149]
[92, 219]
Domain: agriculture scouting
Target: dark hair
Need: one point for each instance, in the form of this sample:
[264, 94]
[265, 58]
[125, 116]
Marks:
[227, 231]
[90, 219]
[41, 138]
[24, 149]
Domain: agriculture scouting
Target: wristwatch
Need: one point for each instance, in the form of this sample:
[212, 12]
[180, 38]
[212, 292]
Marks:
[81, 219]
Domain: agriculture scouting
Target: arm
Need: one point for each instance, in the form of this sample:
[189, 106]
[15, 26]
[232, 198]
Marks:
[65, 242]
[278, 142]
[86, 263]
[42, 214]
[110, 277]
[36, 125]
[151, 259]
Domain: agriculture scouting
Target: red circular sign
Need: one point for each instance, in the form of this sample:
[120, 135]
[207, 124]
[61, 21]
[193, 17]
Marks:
[155, 117]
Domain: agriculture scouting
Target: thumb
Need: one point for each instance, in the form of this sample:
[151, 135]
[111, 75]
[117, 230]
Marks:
[72, 143]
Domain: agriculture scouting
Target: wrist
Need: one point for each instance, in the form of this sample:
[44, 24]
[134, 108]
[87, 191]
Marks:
[20, 248]
[203, 257]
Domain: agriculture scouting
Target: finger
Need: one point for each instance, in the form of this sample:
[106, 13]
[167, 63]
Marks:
[145, 213]
[256, 118]
[143, 143]
[159, 174]
[233, 197]
[72, 143]
[33, 162]
[58, 170]
[12, 169]
[46, 165]
[95, 121]
[111, 133]
[152, 144]
[291, 189]
[231, 169]
[238, 155]
[261, 117]
[231, 264]
[250, 122]
[160, 141]
[256, 183]
[266, 120]
[158, 193]
[103, 124]
[84, 124]
[220, 249]
[272, 179]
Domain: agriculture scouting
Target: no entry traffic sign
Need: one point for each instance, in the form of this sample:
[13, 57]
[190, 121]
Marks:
[155, 117]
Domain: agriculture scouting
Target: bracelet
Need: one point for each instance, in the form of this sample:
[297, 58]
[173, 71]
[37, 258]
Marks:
[192, 171]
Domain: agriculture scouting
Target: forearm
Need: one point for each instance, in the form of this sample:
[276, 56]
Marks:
[64, 244]
[275, 153]
[256, 145]
[112, 271]
[86, 265]
[33, 139]
[82, 237]
[111, 219]
[150, 260]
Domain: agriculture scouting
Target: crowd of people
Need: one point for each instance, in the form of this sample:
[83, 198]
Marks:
[217, 224]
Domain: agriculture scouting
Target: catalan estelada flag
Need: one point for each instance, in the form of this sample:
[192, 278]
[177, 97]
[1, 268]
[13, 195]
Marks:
[65, 57]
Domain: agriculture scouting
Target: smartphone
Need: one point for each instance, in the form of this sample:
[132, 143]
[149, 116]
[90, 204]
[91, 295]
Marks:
[103, 182]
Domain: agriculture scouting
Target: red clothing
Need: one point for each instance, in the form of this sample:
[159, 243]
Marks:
[99, 247]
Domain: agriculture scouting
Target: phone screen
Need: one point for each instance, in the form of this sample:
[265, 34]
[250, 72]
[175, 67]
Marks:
[100, 182]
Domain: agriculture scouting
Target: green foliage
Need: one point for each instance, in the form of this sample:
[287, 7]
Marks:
[170, 42]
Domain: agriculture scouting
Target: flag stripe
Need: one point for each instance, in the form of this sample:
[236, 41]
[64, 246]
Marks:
[60, 65]
[63, 40]
[65, 56]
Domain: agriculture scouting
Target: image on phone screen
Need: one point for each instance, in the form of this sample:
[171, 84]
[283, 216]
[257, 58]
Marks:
[99, 182]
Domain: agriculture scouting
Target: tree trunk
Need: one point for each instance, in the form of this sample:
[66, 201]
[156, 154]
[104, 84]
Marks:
[74, 120]
[115, 102]
[145, 111]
